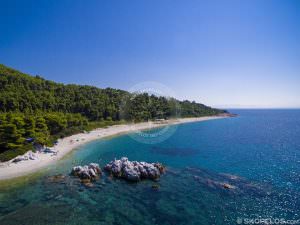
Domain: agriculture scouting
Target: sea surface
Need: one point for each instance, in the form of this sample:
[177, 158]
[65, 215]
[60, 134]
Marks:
[257, 153]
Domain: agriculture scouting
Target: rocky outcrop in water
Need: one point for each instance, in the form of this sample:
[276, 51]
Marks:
[133, 170]
[87, 173]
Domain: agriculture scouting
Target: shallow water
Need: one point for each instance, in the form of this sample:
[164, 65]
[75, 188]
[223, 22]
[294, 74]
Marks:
[258, 153]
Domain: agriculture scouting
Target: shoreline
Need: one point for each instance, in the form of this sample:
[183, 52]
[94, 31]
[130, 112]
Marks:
[10, 170]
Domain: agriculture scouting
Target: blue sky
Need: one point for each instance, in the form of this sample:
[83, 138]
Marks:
[221, 53]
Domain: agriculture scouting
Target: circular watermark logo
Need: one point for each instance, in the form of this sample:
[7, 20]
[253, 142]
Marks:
[152, 110]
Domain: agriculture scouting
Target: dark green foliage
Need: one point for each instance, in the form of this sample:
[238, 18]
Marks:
[16, 128]
[8, 155]
[23, 93]
[45, 110]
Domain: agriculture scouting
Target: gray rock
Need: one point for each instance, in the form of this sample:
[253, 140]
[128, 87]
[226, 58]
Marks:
[32, 156]
[87, 172]
[133, 170]
[95, 167]
[76, 170]
[92, 172]
[131, 174]
[115, 167]
[18, 159]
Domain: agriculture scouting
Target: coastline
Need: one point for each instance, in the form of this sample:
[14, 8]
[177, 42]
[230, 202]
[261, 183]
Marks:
[10, 170]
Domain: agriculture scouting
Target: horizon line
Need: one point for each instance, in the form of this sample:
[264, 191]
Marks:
[258, 108]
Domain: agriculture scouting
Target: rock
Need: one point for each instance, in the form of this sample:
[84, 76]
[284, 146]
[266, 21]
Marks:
[160, 167]
[84, 174]
[114, 168]
[133, 170]
[228, 186]
[212, 183]
[124, 159]
[56, 178]
[131, 173]
[153, 172]
[28, 155]
[92, 172]
[32, 156]
[155, 186]
[88, 184]
[76, 170]
[87, 173]
[18, 159]
[95, 167]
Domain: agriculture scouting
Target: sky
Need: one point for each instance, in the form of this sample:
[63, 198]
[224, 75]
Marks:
[228, 54]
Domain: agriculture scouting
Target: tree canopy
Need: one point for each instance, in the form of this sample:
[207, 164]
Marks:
[32, 107]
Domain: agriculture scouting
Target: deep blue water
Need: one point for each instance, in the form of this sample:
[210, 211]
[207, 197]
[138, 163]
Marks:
[257, 152]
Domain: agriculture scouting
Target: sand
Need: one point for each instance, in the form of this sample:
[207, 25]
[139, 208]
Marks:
[9, 170]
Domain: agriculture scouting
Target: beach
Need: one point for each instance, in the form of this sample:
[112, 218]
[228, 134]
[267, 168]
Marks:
[216, 172]
[9, 170]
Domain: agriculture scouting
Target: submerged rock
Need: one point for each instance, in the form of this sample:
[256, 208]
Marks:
[231, 183]
[133, 170]
[155, 186]
[87, 173]
[57, 178]
[228, 186]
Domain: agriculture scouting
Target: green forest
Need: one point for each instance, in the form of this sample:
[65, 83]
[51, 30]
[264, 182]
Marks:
[32, 108]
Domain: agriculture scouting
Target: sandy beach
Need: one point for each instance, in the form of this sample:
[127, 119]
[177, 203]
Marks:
[10, 169]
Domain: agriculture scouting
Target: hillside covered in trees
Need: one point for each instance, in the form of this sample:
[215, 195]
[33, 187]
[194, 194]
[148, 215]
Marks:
[32, 108]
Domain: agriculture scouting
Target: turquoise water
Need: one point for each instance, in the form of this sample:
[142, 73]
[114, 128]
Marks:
[261, 148]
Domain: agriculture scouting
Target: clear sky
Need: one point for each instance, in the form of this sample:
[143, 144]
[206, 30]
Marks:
[221, 53]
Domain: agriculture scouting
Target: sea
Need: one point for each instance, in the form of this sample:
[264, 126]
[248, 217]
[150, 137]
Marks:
[239, 170]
